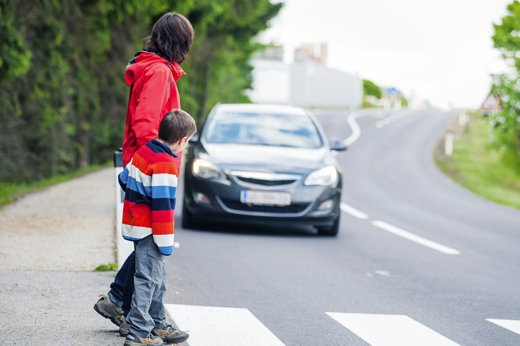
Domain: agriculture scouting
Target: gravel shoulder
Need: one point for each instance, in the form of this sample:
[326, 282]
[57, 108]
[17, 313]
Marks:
[68, 227]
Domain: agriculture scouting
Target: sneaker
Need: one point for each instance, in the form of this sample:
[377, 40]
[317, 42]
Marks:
[171, 335]
[109, 310]
[124, 329]
[132, 340]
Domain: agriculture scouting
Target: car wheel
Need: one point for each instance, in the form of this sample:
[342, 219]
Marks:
[331, 231]
[187, 217]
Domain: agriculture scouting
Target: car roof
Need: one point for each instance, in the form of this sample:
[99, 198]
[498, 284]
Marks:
[260, 108]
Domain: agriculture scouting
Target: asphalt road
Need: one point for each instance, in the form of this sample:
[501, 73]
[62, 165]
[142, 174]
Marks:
[418, 260]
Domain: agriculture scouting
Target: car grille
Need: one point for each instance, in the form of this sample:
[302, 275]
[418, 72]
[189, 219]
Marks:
[265, 178]
[266, 182]
[288, 209]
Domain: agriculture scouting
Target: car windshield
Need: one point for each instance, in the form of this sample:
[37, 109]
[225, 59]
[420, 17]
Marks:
[283, 130]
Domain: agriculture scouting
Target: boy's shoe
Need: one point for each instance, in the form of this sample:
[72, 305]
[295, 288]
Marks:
[109, 310]
[124, 329]
[171, 335]
[132, 340]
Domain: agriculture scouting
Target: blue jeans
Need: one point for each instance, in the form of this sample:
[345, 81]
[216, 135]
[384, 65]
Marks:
[122, 289]
[147, 310]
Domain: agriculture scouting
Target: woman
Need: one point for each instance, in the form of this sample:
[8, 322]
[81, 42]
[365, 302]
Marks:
[152, 76]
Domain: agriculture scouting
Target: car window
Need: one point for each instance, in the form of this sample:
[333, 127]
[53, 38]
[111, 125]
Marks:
[285, 130]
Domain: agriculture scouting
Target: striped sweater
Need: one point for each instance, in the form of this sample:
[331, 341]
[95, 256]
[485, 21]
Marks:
[150, 185]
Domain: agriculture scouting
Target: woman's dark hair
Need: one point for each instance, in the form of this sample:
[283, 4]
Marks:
[171, 37]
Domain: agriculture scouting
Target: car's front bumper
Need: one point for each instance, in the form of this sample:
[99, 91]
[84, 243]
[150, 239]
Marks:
[223, 204]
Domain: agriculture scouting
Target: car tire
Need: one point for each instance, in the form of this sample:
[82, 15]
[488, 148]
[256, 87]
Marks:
[331, 231]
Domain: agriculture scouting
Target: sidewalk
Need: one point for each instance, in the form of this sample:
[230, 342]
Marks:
[50, 242]
[54, 308]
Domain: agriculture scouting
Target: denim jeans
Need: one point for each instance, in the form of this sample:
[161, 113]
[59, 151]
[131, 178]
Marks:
[122, 289]
[147, 310]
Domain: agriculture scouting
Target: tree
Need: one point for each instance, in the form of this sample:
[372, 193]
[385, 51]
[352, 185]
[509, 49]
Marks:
[224, 45]
[507, 85]
[371, 89]
[63, 100]
[371, 93]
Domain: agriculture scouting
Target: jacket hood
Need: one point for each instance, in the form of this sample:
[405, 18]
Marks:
[142, 60]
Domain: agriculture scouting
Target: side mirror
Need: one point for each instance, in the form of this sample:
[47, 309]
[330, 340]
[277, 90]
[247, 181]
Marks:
[194, 138]
[338, 145]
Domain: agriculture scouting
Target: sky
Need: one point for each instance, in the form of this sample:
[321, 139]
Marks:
[439, 50]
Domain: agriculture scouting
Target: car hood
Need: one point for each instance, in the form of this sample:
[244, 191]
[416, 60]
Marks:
[268, 158]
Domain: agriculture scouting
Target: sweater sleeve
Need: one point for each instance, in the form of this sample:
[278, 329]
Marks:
[152, 99]
[123, 178]
[163, 195]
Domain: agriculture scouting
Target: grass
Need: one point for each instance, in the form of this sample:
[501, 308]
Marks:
[10, 192]
[108, 267]
[480, 168]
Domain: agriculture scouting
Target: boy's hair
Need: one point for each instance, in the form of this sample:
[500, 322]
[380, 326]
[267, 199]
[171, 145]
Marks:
[176, 125]
[171, 37]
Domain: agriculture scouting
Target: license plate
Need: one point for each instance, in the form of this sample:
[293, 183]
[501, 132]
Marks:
[265, 197]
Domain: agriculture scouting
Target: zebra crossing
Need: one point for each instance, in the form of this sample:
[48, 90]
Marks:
[512, 325]
[209, 325]
[398, 330]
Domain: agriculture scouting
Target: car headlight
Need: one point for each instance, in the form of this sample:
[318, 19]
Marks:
[206, 170]
[324, 176]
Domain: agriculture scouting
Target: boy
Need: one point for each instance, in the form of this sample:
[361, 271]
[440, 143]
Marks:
[150, 182]
[152, 76]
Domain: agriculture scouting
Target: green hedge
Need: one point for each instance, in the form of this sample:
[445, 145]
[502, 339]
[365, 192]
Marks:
[62, 62]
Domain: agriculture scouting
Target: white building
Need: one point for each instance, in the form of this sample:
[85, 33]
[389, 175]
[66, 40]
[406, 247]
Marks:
[314, 85]
[306, 83]
[271, 82]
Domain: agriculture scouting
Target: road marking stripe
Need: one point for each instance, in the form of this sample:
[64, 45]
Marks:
[213, 326]
[391, 119]
[353, 211]
[356, 131]
[390, 330]
[415, 238]
[512, 325]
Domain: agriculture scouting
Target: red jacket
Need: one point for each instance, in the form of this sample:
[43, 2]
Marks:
[153, 93]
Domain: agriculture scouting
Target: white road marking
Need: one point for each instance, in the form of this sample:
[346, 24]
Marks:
[390, 330]
[353, 211]
[512, 325]
[391, 119]
[214, 326]
[382, 273]
[356, 131]
[415, 238]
